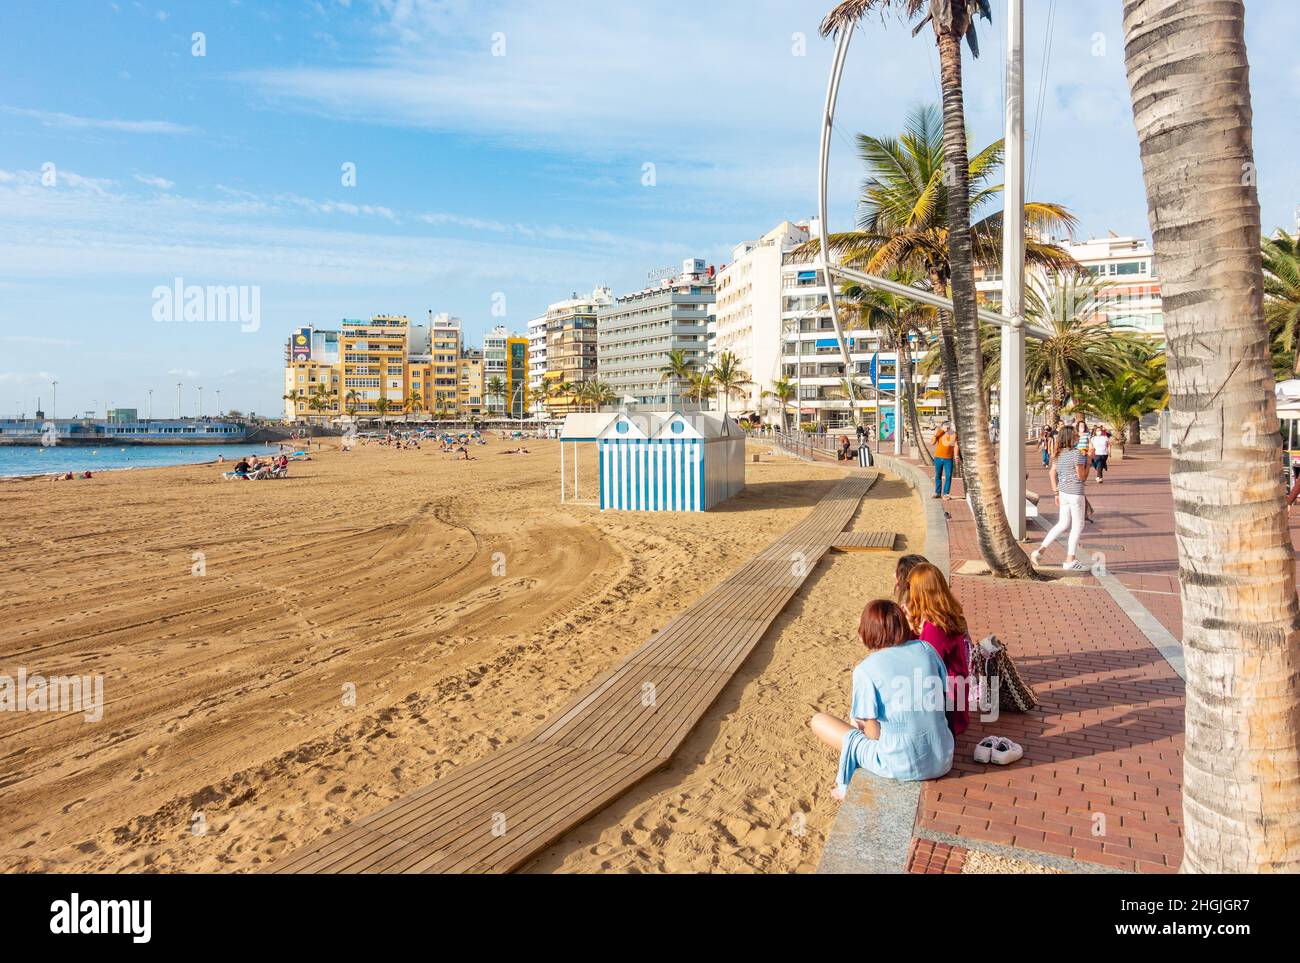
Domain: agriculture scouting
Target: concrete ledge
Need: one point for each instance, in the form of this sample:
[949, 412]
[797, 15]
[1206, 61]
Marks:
[873, 830]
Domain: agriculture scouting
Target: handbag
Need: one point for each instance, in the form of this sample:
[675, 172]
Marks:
[997, 680]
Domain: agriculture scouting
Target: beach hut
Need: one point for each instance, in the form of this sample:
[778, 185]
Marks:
[670, 462]
[579, 428]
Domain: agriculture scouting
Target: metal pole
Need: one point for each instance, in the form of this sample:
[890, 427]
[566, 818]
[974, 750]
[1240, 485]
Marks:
[1011, 396]
[828, 123]
[54, 403]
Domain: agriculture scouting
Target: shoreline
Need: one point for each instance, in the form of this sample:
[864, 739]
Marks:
[51, 475]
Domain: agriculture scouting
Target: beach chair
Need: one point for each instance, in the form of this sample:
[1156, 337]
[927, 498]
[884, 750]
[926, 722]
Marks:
[228, 475]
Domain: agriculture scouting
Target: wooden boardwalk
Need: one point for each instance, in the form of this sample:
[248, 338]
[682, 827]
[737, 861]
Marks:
[865, 541]
[497, 813]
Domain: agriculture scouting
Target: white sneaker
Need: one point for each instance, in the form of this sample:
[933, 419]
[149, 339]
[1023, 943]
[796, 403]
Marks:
[1036, 556]
[984, 751]
[1073, 566]
[1005, 752]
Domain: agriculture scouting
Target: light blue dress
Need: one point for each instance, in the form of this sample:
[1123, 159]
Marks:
[902, 688]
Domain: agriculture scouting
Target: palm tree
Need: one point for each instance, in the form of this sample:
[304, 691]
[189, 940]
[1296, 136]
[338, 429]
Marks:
[382, 406]
[1119, 402]
[678, 369]
[415, 402]
[701, 386]
[496, 388]
[317, 403]
[914, 212]
[1083, 347]
[728, 377]
[294, 396]
[783, 390]
[1281, 257]
[596, 393]
[1189, 80]
[352, 400]
[903, 213]
[900, 320]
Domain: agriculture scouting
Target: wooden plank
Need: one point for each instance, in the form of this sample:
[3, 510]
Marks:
[865, 541]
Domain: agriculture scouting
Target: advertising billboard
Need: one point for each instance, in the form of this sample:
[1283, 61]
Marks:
[302, 344]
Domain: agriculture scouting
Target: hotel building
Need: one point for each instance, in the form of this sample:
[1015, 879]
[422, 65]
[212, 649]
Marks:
[570, 352]
[536, 361]
[470, 391]
[374, 364]
[505, 358]
[748, 309]
[636, 333]
[810, 358]
[311, 371]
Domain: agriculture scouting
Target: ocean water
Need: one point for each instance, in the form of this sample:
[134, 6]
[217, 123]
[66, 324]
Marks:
[35, 460]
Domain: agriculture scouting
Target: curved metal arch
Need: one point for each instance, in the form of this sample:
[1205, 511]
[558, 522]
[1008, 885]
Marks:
[830, 270]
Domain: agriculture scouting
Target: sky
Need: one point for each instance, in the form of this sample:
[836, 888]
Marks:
[342, 158]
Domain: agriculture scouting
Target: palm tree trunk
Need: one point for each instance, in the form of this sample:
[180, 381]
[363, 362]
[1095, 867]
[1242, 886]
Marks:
[1058, 391]
[1001, 551]
[1189, 78]
[909, 399]
[947, 346]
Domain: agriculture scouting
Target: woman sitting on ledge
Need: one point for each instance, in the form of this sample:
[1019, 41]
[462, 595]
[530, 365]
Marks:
[898, 729]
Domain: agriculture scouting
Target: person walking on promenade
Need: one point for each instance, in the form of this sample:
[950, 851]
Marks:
[1099, 451]
[862, 435]
[945, 453]
[1069, 470]
[1046, 439]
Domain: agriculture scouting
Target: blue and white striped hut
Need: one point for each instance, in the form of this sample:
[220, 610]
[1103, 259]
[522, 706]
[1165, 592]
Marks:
[670, 462]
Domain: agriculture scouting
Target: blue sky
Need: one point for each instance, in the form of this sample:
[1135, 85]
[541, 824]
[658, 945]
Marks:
[500, 150]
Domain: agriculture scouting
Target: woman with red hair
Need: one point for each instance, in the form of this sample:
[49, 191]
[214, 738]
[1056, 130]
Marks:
[937, 617]
[897, 727]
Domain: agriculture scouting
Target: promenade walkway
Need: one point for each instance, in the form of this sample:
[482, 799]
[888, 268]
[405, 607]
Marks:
[1100, 786]
[497, 813]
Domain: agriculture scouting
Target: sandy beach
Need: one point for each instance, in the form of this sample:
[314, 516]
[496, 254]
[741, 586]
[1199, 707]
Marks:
[280, 657]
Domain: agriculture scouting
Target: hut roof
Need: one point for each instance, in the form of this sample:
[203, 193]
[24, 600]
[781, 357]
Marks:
[585, 426]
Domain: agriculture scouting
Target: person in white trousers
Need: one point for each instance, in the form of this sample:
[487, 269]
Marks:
[1068, 472]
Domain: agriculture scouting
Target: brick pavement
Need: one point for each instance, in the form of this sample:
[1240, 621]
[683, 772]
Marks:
[1101, 779]
[1100, 782]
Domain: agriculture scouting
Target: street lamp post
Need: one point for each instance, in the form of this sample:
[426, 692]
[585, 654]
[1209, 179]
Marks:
[148, 415]
[1011, 400]
[178, 401]
[200, 401]
[54, 402]
[218, 402]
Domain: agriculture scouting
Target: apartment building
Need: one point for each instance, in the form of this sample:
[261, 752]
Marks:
[637, 332]
[748, 308]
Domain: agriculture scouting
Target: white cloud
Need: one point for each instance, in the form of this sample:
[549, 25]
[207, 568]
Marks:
[26, 377]
[49, 118]
[152, 180]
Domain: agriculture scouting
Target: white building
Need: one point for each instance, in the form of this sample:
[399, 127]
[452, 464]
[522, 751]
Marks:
[637, 332]
[536, 359]
[494, 366]
[748, 308]
[810, 358]
[1131, 297]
